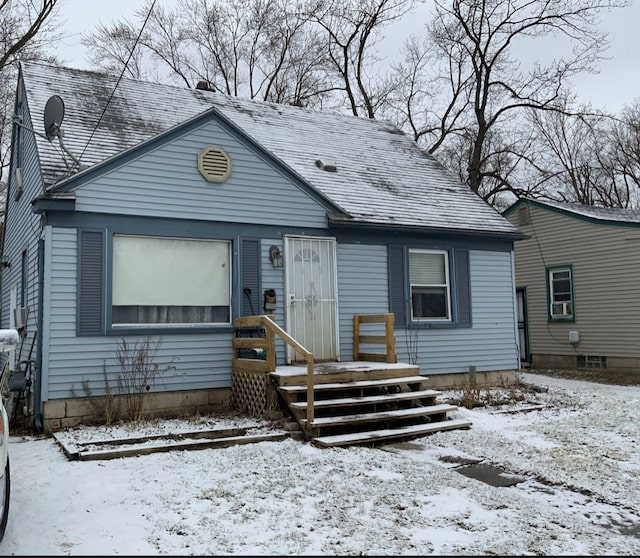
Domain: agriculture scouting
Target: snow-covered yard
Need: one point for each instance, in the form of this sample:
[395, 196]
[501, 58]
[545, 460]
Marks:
[571, 465]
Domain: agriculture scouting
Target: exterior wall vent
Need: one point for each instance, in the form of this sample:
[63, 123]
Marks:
[329, 166]
[523, 215]
[214, 164]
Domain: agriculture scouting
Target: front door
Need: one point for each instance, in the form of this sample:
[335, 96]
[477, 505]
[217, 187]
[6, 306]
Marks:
[311, 286]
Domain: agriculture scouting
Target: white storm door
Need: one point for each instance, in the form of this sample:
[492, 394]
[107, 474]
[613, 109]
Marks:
[311, 286]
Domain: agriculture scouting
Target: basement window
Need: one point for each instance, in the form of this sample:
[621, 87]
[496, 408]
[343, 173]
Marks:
[592, 362]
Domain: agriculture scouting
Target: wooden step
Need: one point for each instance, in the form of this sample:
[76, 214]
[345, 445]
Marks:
[331, 372]
[137, 449]
[376, 436]
[360, 384]
[370, 399]
[412, 412]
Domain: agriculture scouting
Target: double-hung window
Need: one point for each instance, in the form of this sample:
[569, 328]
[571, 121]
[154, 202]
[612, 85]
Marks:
[176, 281]
[560, 292]
[430, 285]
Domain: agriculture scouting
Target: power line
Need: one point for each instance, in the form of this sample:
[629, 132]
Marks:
[126, 64]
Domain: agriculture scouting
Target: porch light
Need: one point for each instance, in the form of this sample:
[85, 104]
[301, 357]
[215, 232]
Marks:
[275, 256]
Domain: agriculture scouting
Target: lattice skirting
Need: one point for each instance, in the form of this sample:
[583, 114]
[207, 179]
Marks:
[254, 393]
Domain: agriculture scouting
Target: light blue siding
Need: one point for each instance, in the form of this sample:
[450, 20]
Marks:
[362, 288]
[165, 182]
[273, 278]
[204, 360]
[189, 361]
[22, 232]
[491, 343]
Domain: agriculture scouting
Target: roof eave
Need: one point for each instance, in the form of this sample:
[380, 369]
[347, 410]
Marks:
[54, 202]
[337, 221]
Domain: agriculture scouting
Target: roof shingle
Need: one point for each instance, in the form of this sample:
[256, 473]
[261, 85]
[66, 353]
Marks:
[382, 175]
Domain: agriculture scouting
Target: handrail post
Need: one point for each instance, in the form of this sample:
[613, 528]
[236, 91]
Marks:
[356, 337]
[274, 329]
[391, 340]
[310, 394]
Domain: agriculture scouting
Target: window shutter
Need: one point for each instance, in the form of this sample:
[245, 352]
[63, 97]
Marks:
[90, 283]
[251, 277]
[397, 295]
[463, 287]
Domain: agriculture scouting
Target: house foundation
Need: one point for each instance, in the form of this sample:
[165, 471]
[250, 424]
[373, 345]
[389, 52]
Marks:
[67, 413]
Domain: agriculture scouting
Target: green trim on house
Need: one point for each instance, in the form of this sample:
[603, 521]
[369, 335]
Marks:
[569, 213]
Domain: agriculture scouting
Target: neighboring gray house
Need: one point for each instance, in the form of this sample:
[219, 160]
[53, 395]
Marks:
[162, 213]
[577, 284]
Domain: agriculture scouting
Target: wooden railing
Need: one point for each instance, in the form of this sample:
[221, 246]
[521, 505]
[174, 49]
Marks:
[268, 343]
[388, 339]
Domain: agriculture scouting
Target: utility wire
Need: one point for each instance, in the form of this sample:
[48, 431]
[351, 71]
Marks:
[126, 64]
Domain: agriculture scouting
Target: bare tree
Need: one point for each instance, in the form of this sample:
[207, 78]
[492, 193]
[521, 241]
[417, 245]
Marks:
[489, 88]
[586, 156]
[112, 48]
[353, 29]
[623, 154]
[253, 48]
[570, 163]
[26, 30]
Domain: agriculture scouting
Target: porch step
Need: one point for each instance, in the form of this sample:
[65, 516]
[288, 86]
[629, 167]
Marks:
[373, 436]
[369, 400]
[411, 412]
[357, 384]
[367, 406]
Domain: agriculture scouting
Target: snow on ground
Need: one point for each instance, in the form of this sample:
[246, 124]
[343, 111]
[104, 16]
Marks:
[575, 453]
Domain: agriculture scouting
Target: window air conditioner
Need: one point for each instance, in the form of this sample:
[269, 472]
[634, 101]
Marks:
[561, 309]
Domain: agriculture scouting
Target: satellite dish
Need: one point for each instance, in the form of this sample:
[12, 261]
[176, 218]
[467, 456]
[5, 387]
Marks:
[53, 116]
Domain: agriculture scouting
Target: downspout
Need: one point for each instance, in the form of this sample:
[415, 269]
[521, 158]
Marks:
[38, 371]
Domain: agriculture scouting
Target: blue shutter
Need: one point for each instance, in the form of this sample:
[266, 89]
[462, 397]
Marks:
[251, 277]
[463, 287]
[90, 283]
[397, 292]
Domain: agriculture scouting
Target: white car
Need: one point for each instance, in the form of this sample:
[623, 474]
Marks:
[9, 340]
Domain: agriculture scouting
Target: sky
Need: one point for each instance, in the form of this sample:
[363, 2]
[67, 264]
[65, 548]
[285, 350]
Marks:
[569, 454]
[617, 84]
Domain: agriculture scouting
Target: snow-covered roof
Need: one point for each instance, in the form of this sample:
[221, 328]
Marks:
[382, 176]
[617, 214]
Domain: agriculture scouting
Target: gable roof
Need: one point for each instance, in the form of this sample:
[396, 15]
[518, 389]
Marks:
[383, 178]
[592, 213]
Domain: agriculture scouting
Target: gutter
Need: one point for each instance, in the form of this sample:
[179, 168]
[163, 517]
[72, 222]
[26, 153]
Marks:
[37, 395]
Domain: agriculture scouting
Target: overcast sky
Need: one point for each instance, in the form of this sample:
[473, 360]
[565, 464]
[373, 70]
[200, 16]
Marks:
[617, 84]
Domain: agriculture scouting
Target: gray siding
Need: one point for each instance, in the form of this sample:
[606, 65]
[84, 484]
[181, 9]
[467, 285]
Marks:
[491, 343]
[362, 288]
[606, 271]
[166, 182]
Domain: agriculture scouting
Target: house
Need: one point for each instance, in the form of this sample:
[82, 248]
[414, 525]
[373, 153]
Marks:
[577, 285]
[151, 215]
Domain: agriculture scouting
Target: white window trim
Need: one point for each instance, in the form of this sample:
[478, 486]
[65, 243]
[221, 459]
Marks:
[567, 306]
[446, 285]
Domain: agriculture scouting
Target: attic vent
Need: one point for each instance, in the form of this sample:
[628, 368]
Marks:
[214, 164]
[523, 215]
[329, 166]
